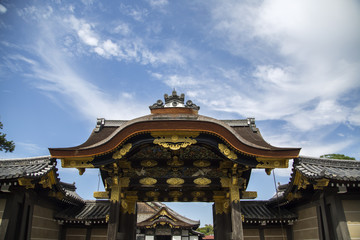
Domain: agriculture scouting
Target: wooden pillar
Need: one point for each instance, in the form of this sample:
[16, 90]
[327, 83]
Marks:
[114, 218]
[236, 219]
[128, 217]
[221, 218]
[114, 214]
[123, 215]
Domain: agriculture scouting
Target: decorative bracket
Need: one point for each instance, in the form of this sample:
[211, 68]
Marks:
[73, 162]
[174, 140]
[26, 182]
[101, 195]
[227, 152]
[121, 152]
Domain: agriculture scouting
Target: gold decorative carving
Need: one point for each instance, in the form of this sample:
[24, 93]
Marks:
[201, 163]
[101, 195]
[124, 205]
[129, 204]
[148, 163]
[197, 194]
[175, 181]
[74, 162]
[121, 152]
[152, 194]
[175, 162]
[124, 182]
[26, 182]
[175, 195]
[201, 172]
[45, 182]
[226, 164]
[124, 164]
[249, 195]
[140, 172]
[115, 193]
[57, 195]
[202, 181]
[300, 181]
[321, 183]
[234, 194]
[271, 163]
[174, 140]
[221, 203]
[48, 180]
[222, 206]
[148, 181]
[227, 152]
[292, 196]
[225, 182]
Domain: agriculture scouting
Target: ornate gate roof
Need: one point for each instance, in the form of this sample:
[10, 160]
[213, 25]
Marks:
[174, 115]
[175, 154]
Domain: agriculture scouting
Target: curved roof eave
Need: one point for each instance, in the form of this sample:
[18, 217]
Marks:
[173, 122]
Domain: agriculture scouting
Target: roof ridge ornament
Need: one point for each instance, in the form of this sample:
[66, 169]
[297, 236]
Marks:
[174, 101]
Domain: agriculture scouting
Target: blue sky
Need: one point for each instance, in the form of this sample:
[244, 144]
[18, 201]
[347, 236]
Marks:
[293, 65]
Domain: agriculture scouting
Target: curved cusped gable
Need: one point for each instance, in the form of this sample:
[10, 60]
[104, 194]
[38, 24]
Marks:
[149, 124]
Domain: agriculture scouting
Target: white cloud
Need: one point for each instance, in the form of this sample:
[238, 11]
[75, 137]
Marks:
[61, 78]
[136, 13]
[304, 58]
[122, 28]
[128, 48]
[36, 13]
[52, 73]
[3, 9]
[84, 31]
[158, 3]
[354, 117]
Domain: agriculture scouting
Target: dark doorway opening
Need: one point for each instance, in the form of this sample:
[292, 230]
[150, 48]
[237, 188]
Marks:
[163, 238]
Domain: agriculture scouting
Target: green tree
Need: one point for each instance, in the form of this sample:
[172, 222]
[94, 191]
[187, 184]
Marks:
[5, 145]
[207, 230]
[337, 156]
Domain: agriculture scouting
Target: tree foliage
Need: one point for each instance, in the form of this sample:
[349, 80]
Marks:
[5, 145]
[207, 230]
[337, 156]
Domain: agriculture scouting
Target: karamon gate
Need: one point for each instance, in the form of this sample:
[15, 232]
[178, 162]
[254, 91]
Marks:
[175, 154]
